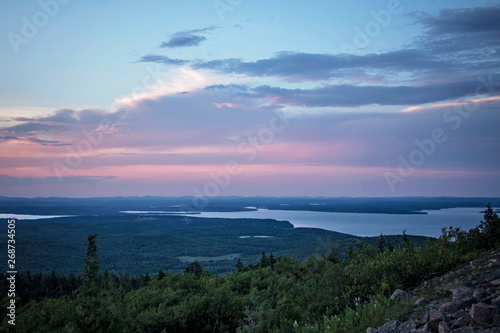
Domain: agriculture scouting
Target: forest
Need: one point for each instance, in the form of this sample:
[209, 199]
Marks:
[140, 244]
[323, 293]
[113, 205]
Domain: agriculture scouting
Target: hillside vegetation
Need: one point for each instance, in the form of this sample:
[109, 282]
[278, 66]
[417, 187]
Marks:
[140, 244]
[320, 294]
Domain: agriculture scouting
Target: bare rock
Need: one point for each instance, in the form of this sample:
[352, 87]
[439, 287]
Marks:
[464, 330]
[462, 319]
[445, 293]
[371, 330]
[433, 324]
[389, 327]
[482, 314]
[458, 294]
[449, 307]
[443, 327]
[491, 330]
[495, 275]
[420, 301]
[419, 322]
[408, 326]
[398, 293]
[469, 302]
[480, 293]
[495, 283]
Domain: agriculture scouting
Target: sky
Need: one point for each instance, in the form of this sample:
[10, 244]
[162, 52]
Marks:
[249, 98]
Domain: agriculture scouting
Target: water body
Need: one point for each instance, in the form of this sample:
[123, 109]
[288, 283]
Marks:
[364, 224]
[360, 224]
[30, 217]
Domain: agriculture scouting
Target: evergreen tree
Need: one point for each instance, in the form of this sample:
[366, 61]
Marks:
[95, 296]
[239, 265]
[406, 240]
[194, 268]
[381, 244]
[333, 256]
[272, 260]
[88, 291]
[263, 260]
[91, 263]
[490, 227]
[161, 274]
[390, 247]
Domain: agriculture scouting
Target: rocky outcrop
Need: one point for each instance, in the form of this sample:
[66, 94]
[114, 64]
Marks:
[398, 293]
[465, 300]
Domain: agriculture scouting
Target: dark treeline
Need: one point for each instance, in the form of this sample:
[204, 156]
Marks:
[37, 287]
[111, 206]
[320, 294]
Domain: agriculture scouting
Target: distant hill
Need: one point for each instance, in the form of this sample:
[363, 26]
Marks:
[136, 244]
[113, 205]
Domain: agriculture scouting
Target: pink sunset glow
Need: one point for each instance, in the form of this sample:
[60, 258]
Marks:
[295, 112]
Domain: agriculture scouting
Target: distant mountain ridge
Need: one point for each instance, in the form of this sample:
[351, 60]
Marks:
[113, 205]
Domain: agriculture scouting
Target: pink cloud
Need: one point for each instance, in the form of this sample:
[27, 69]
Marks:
[452, 104]
[228, 105]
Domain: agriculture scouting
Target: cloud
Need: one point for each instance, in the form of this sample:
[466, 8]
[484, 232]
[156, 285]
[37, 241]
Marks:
[355, 96]
[469, 103]
[73, 117]
[65, 120]
[162, 60]
[455, 43]
[6, 180]
[183, 41]
[468, 37]
[182, 137]
[293, 66]
[180, 80]
[187, 38]
[469, 20]
[33, 140]
[208, 125]
[228, 105]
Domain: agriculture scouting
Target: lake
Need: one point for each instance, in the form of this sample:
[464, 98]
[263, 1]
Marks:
[359, 224]
[30, 217]
[363, 224]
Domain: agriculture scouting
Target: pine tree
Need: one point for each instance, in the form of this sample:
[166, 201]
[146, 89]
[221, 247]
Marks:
[333, 256]
[89, 289]
[263, 260]
[390, 247]
[381, 244]
[406, 240]
[490, 227]
[194, 268]
[95, 297]
[161, 274]
[272, 260]
[239, 265]
[91, 263]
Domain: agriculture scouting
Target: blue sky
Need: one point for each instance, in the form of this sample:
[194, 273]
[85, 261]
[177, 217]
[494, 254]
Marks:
[182, 88]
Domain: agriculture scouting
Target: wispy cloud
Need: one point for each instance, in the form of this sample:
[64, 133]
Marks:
[467, 20]
[33, 140]
[467, 37]
[63, 121]
[26, 181]
[293, 66]
[160, 59]
[228, 105]
[355, 96]
[454, 44]
[187, 38]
